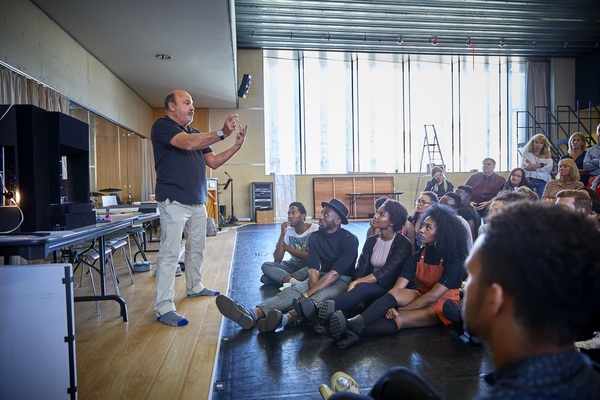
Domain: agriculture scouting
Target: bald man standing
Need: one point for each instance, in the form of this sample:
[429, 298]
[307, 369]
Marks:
[181, 154]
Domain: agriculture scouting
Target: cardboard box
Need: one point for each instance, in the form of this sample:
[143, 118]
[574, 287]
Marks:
[265, 216]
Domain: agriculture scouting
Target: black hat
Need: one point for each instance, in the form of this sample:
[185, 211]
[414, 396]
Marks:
[339, 207]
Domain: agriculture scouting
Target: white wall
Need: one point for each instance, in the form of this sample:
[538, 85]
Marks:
[33, 44]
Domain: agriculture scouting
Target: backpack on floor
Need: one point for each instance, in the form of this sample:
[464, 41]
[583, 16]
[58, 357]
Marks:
[211, 227]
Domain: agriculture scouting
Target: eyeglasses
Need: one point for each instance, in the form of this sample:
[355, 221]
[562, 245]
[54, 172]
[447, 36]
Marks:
[422, 202]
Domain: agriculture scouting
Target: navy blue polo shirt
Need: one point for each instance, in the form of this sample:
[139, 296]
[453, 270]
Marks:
[180, 174]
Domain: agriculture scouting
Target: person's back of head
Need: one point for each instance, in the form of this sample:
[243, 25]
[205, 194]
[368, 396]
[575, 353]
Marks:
[509, 196]
[552, 275]
[579, 199]
[528, 192]
[453, 204]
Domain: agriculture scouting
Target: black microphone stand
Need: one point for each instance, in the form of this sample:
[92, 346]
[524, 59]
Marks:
[232, 218]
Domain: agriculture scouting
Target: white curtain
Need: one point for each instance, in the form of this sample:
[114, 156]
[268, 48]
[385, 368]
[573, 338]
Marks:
[285, 193]
[18, 89]
[148, 172]
[538, 93]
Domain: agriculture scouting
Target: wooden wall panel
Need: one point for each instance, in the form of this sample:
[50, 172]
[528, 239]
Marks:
[341, 188]
[134, 166]
[107, 154]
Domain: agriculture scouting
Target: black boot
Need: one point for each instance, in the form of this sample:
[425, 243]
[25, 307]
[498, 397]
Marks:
[356, 324]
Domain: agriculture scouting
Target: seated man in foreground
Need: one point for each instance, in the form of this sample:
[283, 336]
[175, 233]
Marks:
[332, 254]
[293, 240]
[528, 295]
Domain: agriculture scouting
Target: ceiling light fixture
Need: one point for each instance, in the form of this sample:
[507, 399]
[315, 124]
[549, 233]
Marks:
[163, 56]
[566, 44]
[469, 43]
[434, 41]
[400, 41]
[502, 43]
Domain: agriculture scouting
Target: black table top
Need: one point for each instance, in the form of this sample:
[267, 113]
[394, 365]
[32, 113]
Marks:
[37, 245]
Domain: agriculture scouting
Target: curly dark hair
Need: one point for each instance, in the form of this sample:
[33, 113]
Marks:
[451, 243]
[397, 213]
[552, 275]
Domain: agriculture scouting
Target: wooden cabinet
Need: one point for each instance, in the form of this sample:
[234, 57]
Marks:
[346, 190]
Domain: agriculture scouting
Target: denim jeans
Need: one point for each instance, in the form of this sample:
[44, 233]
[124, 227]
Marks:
[277, 271]
[283, 300]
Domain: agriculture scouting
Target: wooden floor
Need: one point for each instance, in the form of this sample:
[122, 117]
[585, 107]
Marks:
[144, 359]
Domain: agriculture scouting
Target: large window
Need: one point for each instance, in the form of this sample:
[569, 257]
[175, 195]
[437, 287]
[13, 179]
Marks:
[339, 112]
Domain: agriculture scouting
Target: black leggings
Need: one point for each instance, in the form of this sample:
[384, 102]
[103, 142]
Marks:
[396, 383]
[367, 292]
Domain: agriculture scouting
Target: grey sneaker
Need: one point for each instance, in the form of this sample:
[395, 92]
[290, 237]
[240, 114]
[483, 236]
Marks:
[234, 311]
[178, 270]
[590, 344]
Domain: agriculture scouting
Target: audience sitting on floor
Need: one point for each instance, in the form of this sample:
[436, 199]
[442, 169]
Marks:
[438, 183]
[516, 179]
[576, 152]
[379, 265]
[437, 269]
[332, 254]
[567, 178]
[485, 185]
[522, 300]
[293, 240]
[378, 203]
[537, 162]
[467, 211]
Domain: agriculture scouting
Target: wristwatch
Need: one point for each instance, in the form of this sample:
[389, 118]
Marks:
[220, 134]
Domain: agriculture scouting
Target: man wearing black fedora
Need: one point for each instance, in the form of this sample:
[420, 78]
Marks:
[332, 254]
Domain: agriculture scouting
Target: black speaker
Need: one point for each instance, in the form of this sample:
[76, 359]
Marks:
[23, 130]
[244, 86]
[48, 154]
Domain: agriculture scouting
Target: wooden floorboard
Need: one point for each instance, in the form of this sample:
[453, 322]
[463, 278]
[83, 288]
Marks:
[141, 358]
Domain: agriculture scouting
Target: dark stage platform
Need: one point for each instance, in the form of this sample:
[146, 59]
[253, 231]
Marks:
[293, 363]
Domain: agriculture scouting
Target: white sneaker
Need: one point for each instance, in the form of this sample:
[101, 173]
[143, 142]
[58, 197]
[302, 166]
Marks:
[285, 286]
[178, 270]
[590, 344]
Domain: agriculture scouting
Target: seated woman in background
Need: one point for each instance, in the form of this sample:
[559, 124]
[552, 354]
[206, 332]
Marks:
[516, 179]
[537, 162]
[577, 150]
[437, 268]
[422, 203]
[567, 178]
[438, 184]
[379, 265]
